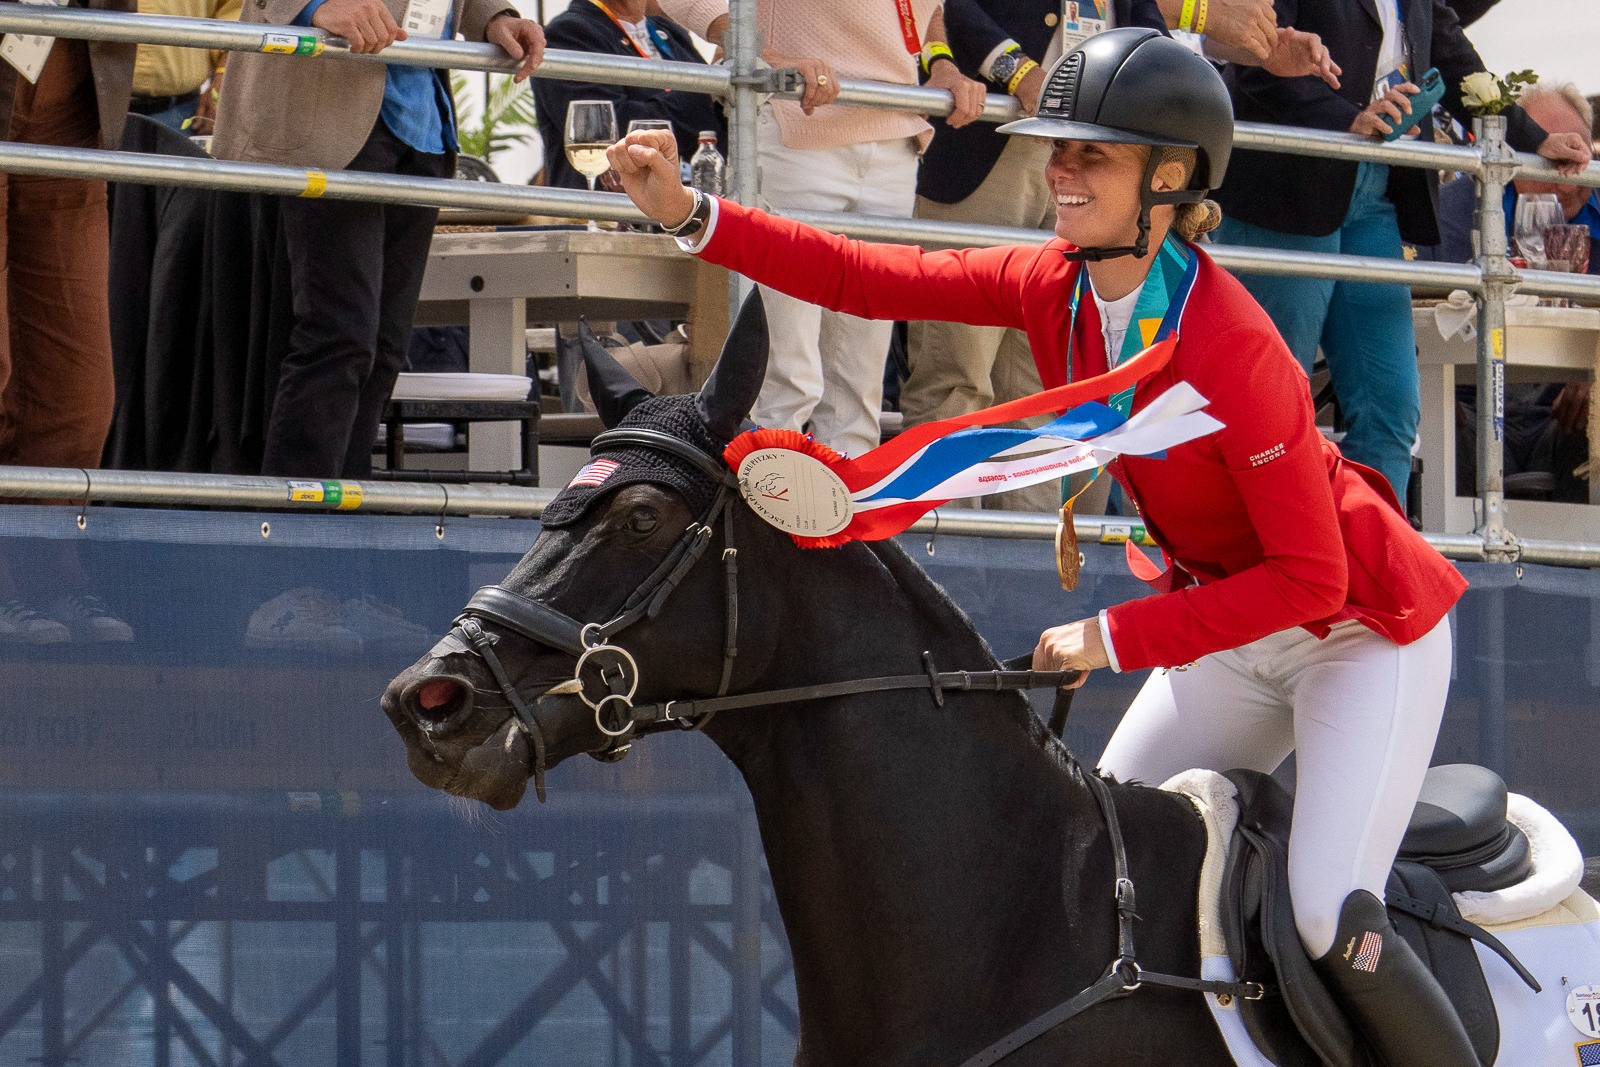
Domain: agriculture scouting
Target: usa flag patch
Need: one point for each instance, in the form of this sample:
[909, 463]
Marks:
[594, 473]
[1367, 954]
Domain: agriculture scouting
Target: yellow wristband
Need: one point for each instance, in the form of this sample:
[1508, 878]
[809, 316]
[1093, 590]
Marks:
[934, 50]
[1199, 17]
[1186, 17]
[1028, 67]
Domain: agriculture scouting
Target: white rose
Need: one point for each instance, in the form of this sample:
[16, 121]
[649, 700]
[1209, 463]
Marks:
[1480, 89]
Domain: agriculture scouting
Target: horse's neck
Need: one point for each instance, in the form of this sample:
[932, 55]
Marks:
[915, 850]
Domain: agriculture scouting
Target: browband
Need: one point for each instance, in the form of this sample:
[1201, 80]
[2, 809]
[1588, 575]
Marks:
[665, 442]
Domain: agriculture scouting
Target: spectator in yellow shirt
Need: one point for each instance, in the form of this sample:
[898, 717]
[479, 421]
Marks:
[178, 86]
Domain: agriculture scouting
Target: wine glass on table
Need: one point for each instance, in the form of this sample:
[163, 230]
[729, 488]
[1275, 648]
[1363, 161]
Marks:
[634, 126]
[1566, 246]
[1536, 213]
[591, 129]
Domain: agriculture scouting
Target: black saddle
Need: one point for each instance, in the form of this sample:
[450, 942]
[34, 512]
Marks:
[1458, 839]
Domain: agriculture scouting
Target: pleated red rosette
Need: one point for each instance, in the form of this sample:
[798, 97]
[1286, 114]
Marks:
[768, 487]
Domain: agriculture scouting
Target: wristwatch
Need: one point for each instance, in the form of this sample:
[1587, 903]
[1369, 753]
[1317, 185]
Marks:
[1005, 65]
[699, 215]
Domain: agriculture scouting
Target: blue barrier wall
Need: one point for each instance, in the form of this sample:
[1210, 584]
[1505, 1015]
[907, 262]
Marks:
[212, 853]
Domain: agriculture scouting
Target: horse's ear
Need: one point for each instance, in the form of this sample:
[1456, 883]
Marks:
[615, 392]
[735, 382]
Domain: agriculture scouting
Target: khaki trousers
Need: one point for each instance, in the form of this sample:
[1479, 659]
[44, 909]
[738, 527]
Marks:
[56, 391]
[956, 368]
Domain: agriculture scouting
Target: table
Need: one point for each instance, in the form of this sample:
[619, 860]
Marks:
[1543, 344]
[497, 283]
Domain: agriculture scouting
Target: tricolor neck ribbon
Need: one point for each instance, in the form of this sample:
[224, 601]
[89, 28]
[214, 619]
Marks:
[824, 499]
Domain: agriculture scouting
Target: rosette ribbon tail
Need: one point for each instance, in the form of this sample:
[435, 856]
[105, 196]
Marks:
[823, 499]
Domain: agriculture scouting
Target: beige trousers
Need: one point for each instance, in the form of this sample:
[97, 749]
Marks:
[956, 368]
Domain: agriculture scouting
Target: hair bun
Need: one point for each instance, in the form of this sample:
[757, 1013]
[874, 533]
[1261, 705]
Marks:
[1198, 218]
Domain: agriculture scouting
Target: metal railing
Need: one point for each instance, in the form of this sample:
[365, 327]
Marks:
[86, 489]
[743, 82]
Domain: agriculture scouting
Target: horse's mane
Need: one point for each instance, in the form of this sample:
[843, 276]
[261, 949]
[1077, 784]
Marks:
[930, 600]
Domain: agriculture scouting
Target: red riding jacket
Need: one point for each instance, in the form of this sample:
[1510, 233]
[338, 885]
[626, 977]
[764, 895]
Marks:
[1267, 525]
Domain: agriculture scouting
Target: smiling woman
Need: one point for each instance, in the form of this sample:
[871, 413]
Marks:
[1275, 540]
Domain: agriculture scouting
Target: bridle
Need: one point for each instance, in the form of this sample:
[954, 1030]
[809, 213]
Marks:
[611, 665]
[609, 669]
[620, 719]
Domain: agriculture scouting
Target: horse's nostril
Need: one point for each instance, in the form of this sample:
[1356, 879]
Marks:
[439, 703]
[437, 693]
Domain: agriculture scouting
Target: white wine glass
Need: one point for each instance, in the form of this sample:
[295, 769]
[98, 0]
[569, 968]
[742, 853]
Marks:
[591, 129]
[635, 125]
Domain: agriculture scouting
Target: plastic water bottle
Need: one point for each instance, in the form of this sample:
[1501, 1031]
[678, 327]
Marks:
[707, 167]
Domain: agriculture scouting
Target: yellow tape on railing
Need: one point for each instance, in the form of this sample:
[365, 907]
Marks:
[291, 44]
[316, 184]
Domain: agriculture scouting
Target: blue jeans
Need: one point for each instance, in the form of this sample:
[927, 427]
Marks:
[1364, 329]
[175, 116]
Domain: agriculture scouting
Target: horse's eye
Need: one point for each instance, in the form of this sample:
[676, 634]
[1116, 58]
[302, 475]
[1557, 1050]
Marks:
[643, 521]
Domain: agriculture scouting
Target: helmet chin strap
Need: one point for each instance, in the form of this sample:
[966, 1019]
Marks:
[1148, 198]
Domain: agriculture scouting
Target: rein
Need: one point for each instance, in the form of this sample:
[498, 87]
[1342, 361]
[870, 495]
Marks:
[1124, 975]
[619, 718]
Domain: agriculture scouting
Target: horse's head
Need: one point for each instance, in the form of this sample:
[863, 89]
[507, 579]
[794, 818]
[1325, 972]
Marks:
[551, 662]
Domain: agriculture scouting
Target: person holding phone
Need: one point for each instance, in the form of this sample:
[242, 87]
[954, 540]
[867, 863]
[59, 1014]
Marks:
[1367, 209]
[1300, 613]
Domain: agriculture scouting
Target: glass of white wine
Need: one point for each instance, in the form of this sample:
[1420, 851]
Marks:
[591, 129]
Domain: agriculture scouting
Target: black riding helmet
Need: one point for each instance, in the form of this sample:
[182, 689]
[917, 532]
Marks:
[1138, 86]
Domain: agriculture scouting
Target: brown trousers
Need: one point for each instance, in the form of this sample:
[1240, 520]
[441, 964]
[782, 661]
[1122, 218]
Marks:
[56, 390]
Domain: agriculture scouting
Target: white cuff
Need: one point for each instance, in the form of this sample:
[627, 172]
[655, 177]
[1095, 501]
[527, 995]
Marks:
[694, 244]
[986, 68]
[1105, 639]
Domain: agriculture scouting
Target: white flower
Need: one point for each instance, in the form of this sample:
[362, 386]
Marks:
[1480, 89]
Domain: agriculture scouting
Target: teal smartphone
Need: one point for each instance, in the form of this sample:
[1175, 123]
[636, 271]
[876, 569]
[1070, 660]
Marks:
[1432, 91]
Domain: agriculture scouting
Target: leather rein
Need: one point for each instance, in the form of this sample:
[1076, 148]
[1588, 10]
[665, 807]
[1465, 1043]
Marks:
[602, 661]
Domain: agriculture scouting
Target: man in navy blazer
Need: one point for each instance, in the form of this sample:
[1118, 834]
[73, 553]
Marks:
[621, 28]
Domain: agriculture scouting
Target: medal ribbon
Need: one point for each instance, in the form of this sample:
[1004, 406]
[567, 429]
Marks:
[893, 485]
[656, 34]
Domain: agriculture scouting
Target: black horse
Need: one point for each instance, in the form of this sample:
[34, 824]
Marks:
[942, 866]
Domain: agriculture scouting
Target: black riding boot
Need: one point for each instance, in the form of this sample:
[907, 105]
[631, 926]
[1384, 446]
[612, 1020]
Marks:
[1389, 995]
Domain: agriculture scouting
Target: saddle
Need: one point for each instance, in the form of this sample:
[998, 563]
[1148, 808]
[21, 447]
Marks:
[1459, 839]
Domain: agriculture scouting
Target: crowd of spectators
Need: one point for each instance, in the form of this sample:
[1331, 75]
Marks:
[354, 269]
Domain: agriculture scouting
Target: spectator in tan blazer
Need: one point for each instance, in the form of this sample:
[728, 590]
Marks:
[355, 268]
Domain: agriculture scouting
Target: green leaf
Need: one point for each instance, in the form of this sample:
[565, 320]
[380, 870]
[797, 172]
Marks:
[508, 117]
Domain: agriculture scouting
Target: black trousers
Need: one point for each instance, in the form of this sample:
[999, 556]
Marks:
[355, 272]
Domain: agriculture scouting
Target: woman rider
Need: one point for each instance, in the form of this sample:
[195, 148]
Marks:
[1300, 611]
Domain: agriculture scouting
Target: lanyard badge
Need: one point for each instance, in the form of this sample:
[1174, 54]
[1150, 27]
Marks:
[28, 52]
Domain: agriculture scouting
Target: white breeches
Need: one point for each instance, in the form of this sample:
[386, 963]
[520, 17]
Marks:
[1360, 713]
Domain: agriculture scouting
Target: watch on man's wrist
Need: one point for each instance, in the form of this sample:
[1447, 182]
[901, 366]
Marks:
[1005, 65]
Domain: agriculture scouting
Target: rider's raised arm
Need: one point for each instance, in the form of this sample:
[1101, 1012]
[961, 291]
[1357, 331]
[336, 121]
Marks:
[981, 286]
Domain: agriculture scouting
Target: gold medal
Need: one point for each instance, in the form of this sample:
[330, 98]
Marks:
[1069, 561]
